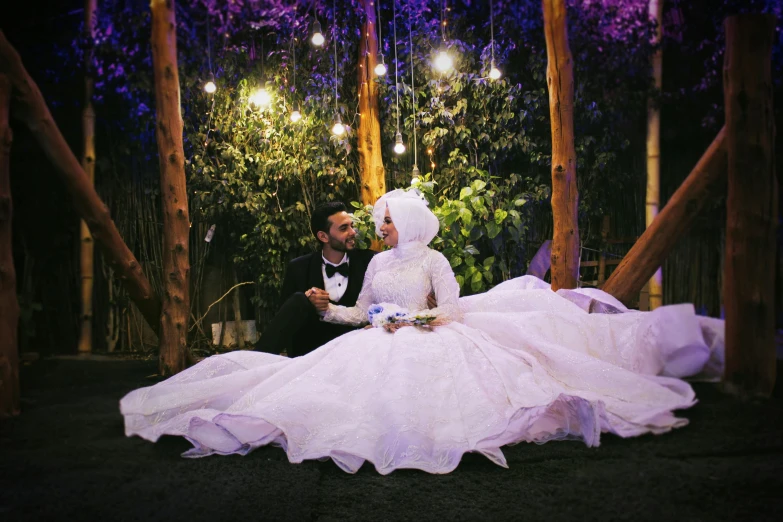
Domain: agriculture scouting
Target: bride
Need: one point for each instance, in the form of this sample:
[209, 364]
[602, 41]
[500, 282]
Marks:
[519, 363]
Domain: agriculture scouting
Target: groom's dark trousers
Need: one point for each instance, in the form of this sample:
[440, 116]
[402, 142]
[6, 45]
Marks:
[297, 328]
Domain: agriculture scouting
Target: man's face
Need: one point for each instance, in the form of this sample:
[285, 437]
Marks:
[341, 236]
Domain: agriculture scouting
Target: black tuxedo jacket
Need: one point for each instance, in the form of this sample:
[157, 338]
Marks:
[305, 272]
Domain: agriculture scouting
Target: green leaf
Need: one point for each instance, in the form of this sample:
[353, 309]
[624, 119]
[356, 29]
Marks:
[465, 192]
[466, 216]
[500, 215]
[476, 277]
[470, 249]
[493, 229]
[478, 185]
[488, 262]
[356, 204]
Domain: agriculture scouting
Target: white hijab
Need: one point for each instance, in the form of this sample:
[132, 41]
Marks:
[412, 219]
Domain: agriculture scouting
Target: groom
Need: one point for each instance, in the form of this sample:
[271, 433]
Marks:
[333, 274]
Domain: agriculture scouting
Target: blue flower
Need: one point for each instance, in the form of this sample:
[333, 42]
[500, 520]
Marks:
[374, 310]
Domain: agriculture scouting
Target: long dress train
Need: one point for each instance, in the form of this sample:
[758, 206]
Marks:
[517, 364]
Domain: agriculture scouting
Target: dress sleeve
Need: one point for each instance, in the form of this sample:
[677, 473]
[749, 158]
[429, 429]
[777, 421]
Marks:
[355, 315]
[446, 289]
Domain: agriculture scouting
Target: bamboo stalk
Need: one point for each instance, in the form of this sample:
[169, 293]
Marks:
[654, 146]
[87, 254]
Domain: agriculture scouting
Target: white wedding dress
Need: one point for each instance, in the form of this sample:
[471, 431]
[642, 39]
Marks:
[519, 363]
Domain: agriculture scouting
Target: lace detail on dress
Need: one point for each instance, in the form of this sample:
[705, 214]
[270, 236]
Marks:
[404, 275]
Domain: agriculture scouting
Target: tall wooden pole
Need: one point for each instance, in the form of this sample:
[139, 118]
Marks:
[752, 205]
[565, 197]
[9, 306]
[648, 253]
[373, 178]
[654, 145]
[176, 220]
[30, 108]
[87, 254]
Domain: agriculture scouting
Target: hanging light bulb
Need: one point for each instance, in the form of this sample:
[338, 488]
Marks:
[210, 87]
[399, 146]
[318, 38]
[295, 114]
[443, 61]
[494, 72]
[262, 97]
[415, 175]
[380, 69]
[338, 129]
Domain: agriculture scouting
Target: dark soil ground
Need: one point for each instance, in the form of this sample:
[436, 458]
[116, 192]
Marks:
[66, 458]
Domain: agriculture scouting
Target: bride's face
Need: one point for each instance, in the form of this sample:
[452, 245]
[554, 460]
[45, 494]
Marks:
[389, 232]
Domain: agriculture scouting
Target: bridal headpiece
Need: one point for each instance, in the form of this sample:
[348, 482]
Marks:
[412, 219]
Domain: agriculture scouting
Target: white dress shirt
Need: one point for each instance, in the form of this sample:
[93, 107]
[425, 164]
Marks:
[338, 283]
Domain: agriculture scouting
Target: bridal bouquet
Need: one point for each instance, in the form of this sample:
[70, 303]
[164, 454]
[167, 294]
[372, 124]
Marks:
[391, 317]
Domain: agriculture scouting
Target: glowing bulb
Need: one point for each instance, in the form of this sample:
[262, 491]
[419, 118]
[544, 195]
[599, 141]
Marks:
[318, 38]
[296, 115]
[414, 181]
[380, 69]
[260, 99]
[338, 129]
[494, 73]
[210, 87]
[443, 62]
[399, 146]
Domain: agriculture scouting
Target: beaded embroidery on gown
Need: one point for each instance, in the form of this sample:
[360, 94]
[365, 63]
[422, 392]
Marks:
[519, 363]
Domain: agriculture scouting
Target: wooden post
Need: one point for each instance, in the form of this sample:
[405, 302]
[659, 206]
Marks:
[654, 146]
[30, 108]
[565, 197]
[9, 306]
[87, 254]
[173, 190]
[752, 213]
[649, 252]
[373, 178]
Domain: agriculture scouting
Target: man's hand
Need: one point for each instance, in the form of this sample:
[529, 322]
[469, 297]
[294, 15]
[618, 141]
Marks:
[319, 298]
[431, 301]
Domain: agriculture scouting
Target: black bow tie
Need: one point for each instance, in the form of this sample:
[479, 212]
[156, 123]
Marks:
[341, 269]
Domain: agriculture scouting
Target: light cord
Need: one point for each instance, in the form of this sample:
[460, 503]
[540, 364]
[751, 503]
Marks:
[396, 63]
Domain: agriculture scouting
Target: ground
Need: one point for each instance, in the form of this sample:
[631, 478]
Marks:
[66, 458]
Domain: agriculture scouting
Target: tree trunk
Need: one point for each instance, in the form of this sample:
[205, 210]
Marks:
[654, 145]
[752, 213]
[649, 252]
[87, 255]
[373, 178]
[176, 221]
[565, 197]
[30, 108]
[9, 306]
